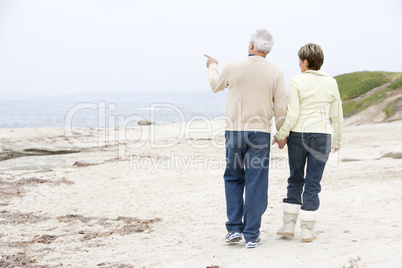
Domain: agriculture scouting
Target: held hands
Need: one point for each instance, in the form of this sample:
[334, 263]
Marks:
[281, 144]
[210, 60]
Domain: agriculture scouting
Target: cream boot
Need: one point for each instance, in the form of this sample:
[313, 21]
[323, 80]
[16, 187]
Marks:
[290, 212]
[307, 225]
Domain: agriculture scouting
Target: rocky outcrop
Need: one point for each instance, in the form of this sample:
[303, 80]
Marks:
[145, 123]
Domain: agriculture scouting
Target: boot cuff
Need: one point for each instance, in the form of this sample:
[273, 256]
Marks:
[291, 208]
[308, 215]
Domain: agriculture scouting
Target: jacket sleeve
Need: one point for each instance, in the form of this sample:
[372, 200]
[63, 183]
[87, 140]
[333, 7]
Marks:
[337, 118]
[279, 99]
[217, 81]
[292, 113]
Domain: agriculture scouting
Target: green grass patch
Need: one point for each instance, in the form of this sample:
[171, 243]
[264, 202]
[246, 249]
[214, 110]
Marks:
[355, 84]
[372, 99]
[352, 107]
[349, 108]
[377, 97]
[395, 85]
[390, 109]
[393, 75]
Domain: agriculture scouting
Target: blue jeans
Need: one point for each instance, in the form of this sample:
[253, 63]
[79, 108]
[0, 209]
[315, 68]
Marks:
[247, 164]
[313, 148]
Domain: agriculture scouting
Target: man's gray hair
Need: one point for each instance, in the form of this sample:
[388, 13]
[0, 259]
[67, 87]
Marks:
[263, 41]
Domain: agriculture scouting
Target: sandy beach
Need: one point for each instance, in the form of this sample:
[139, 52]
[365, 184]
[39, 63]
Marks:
[153, 196]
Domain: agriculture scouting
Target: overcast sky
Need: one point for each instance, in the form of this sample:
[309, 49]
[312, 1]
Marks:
[71, 46]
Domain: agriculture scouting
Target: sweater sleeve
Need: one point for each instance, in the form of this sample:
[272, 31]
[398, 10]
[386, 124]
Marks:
[217, 81]
[280, 101]
[337, 119]
[292, 113]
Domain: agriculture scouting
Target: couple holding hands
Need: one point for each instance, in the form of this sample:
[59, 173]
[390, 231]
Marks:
[304, 121]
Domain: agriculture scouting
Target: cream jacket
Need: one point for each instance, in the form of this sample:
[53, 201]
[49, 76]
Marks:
[314, 106]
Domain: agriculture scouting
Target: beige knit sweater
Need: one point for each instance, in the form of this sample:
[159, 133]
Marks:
[256, 91]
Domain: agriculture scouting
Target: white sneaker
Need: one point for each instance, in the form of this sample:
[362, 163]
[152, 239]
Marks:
[254, 244]
[233, 237]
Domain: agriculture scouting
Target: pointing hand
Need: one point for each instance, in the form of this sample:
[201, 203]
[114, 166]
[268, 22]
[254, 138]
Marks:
[210, 60]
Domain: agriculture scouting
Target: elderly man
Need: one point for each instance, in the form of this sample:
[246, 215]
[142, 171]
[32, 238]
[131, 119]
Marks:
[256, 89]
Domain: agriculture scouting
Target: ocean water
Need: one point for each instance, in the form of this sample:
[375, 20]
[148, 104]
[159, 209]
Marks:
[35, 114]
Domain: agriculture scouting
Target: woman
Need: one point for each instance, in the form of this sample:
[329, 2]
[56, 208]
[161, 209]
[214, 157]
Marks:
[314, 105]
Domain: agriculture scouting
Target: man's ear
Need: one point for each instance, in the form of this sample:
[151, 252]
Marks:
[251, 45]
[305, 61]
